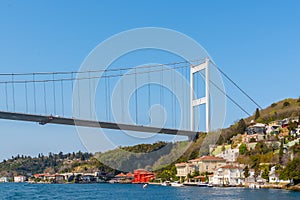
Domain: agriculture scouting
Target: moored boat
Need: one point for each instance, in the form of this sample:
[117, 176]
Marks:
[176, 184]
[166, 183]
[200, 184]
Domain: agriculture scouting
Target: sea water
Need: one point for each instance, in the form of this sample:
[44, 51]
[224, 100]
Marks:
[135, 191]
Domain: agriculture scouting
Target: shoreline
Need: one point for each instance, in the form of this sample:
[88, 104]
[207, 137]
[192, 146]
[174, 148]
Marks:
[295, 188]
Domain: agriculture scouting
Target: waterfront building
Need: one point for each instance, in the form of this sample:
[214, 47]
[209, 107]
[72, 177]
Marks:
[207, 163]
[201, 165]
[19, 179]
[183, 169]
[4, 179]
[228, 175]
[123, 178]
[143, 176]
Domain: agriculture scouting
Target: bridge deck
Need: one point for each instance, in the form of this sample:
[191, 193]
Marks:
[43, 119]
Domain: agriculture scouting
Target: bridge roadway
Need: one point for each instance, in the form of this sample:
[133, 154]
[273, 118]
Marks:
[43, 119]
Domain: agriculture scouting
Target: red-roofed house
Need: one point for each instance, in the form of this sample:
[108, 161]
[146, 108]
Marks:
[121, 175]
[143, 176]
[124, 178]
[130, 176]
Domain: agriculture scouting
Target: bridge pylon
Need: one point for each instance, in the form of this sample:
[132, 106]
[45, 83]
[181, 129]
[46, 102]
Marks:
[203, 100]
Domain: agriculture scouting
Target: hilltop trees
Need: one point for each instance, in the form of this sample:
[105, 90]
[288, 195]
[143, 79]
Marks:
[286, 104]
[257, 114]
[51, 163]
[241, 127]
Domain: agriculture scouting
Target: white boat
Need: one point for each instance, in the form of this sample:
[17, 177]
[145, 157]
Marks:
[166, 183]
[176, 184]
[201, 184]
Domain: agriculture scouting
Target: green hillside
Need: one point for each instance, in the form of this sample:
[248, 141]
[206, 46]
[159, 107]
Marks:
[276, 111]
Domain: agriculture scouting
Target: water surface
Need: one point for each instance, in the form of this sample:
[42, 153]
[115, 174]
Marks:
[134, 191]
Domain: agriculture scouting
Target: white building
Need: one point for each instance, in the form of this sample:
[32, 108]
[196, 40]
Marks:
[274, 177]
[275, 129]
[4, 180]
[19, 179]
[230, 154]
[228, 175]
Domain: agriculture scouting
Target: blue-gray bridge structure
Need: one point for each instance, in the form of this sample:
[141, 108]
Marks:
[46, 97]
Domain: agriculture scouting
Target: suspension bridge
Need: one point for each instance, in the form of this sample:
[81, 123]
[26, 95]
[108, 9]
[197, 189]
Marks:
[105, 99]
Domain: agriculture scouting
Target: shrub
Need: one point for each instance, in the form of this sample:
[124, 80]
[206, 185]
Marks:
[273, 105]
[252, 140]
[242, 148]
[286, 104]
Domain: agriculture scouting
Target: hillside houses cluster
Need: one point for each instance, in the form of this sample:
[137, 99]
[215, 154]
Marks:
[279, 128]
[221, 166]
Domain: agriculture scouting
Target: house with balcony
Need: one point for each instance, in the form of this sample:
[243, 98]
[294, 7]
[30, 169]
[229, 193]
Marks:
[183, 169]
[256, 128]
[228, 175]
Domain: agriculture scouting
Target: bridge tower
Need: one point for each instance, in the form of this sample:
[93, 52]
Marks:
[203, 100]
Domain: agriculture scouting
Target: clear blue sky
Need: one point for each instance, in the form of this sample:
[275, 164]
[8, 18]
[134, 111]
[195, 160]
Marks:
[256, 42]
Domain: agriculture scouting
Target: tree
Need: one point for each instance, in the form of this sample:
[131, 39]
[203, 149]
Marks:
[246, 171]
[291, 171]
[261, 148]
[252, 140]
[195, 173]
[223, 148]
[292, 125]
[241, 127]
[256, 173]
[255, 161]
[242, 149]
[265, 174]
[257, 114]
[281, 152]
[273, 105]
[286, 104]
